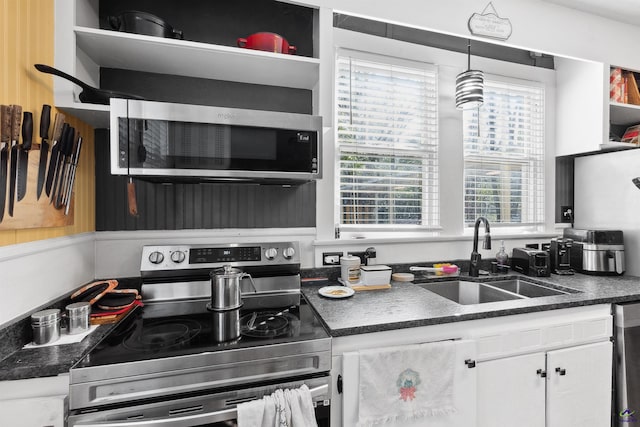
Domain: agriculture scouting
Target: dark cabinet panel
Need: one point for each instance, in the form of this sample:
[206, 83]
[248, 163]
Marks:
[192, 90]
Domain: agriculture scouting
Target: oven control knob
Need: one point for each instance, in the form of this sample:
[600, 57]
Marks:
[177, 257]
[271, 253]
[289, 253]
[156, 257]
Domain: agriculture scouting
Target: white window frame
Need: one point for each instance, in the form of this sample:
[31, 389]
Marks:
[536, 184]
[430, 199]
[450, 152]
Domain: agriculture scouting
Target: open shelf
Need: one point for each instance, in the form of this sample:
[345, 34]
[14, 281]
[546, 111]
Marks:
[624, 114]
[97, 115]
[617, 146]
[136, 52]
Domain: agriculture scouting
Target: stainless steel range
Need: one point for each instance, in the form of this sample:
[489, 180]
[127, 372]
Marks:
[173, 362]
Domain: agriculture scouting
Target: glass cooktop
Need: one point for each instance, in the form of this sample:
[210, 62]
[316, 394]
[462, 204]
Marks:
[171, 329]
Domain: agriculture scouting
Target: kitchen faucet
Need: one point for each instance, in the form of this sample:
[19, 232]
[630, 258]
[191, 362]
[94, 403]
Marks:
[474, 268]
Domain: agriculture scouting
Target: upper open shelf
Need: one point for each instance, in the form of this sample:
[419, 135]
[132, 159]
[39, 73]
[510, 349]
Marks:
[136, 52]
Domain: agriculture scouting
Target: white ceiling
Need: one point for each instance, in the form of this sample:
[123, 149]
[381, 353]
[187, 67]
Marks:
[620, 10]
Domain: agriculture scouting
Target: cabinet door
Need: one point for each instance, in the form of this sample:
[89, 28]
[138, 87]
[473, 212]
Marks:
[511, 391]
[579, 386]
[464, 395]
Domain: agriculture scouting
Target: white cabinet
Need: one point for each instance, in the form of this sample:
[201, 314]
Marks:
[36, 402]
[585, 116]
[515, 376]
[463, 399]
[510, 389]
[581, 116]
[579, 386]
[569, 387]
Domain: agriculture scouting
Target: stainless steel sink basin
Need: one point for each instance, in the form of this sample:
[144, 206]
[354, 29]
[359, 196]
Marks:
[469, 292]
[466, 293]
[528, 289]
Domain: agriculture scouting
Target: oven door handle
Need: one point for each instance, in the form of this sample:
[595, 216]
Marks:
[187, 420]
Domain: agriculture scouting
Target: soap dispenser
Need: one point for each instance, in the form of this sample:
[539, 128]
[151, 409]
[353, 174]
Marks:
[502, 258]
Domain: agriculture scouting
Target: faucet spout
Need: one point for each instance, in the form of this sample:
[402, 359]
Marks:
[474, 267]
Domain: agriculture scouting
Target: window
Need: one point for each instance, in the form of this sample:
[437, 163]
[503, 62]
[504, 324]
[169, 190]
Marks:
[387, 142]
[504, 155]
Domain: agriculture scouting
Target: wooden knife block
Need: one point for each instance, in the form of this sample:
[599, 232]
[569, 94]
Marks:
[30, 212]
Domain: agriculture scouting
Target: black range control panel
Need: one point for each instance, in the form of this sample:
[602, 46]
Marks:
[157, 259]
[212, 255]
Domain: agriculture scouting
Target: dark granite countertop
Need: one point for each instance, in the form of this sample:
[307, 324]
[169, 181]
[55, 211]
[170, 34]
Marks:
[50, 360]
[407, 305]
[17, 363]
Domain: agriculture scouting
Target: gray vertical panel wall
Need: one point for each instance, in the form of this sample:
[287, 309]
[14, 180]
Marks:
[197, 206]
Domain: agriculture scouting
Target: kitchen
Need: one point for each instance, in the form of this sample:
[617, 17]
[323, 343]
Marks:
[603, 200]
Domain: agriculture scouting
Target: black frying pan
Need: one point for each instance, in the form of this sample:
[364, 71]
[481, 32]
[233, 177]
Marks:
[89, 94]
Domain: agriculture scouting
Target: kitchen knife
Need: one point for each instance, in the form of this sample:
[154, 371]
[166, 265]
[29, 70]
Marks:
[55, 152]
[66, 148]
[5, 136]
[23, 153]
[45, 119]
[68, 151]
[74, 167]
[16, 116]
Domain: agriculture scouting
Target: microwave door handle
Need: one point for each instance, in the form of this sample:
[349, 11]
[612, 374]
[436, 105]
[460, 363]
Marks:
[187, 420]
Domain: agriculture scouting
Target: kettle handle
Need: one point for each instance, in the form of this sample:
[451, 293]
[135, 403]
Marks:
[115, 22]
[253, 285]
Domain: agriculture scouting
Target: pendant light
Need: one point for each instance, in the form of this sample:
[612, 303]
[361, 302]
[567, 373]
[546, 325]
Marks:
[469, 86]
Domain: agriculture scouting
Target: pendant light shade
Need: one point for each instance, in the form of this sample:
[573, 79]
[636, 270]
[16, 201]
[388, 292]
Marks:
[469, 86]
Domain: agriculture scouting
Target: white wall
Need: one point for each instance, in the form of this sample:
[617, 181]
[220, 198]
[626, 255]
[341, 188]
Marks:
[33, 274]
[605, 198]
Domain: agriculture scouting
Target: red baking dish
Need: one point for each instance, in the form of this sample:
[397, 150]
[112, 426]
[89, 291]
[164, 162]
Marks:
[270, 42]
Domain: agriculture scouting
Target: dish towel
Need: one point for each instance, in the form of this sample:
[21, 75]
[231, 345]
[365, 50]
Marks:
[283, 408]
[401, 384]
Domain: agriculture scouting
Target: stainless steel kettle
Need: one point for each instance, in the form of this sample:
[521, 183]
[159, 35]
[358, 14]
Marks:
[226, 293]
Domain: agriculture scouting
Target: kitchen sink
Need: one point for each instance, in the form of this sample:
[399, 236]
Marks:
[467, 293]
[526, 288]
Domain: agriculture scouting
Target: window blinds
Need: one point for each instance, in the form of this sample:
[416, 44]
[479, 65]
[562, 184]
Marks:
[504, 155]
[387, 137]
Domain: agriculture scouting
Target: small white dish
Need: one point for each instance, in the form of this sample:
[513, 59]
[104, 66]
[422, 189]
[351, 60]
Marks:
[336, 291]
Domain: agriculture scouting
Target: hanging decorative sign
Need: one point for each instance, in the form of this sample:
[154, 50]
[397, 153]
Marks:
[489, 24]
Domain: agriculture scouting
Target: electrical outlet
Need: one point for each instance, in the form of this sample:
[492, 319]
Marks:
[566, 214]
[359, 255]
[331, 258]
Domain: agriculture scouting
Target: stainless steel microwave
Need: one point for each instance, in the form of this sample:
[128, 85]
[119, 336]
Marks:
[177, 142]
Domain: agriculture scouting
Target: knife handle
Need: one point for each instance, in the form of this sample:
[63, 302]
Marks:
[27, 130]
[45, 121]
[67, 144]
[15, 122]
[5, 123]
[58, 123]
[132, 200]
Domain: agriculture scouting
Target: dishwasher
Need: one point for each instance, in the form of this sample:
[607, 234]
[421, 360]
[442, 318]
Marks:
[627, 363]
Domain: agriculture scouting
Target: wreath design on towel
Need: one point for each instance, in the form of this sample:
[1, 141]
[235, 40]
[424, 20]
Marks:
[407, 383]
